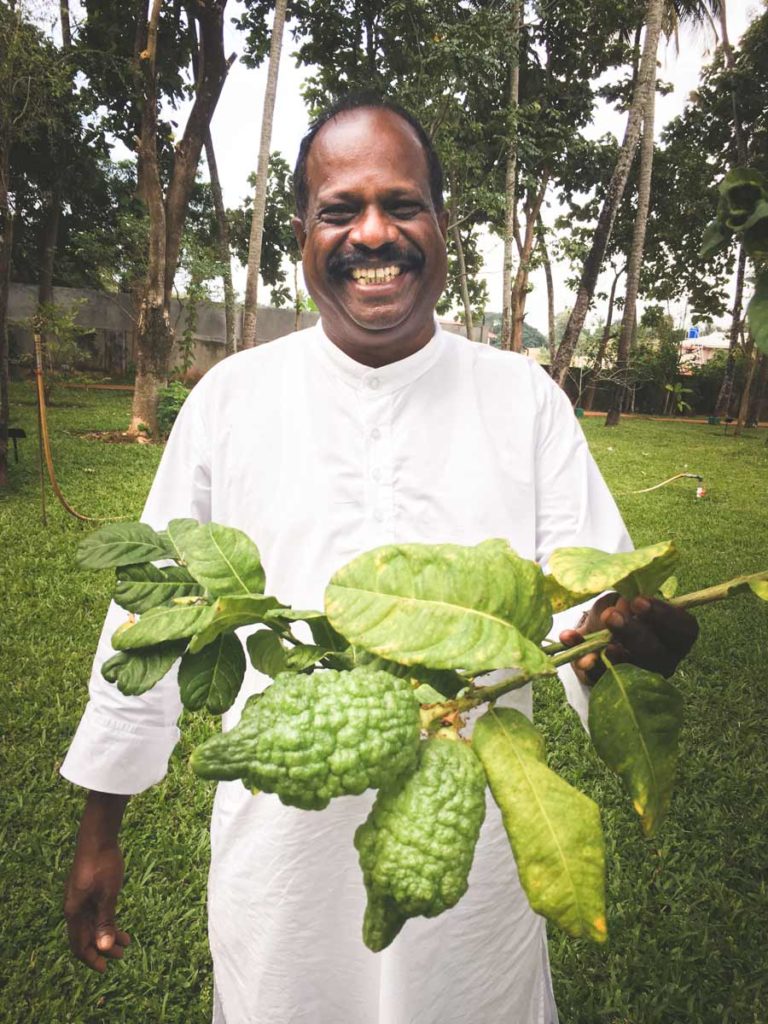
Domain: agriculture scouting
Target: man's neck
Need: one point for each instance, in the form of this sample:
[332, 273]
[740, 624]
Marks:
[377, 352]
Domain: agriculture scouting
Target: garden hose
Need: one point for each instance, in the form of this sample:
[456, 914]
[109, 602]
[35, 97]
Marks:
[45, 444]
[678, 476]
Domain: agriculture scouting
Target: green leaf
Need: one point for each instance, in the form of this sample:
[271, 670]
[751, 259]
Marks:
[757, 312]
[742, 188]
[634, 721]
[120, 544]
[224, 560]
[302, 656]
[756, 232]
[760, 589]
[266, 652]
[213, 676]
[175, 533]
[138, 671]
[578, 574]
[554, 830]
[443, 606]
[229, 613]
[141, 587]
[669, 587]
[715, 236]
[161, 624]
[444, 681]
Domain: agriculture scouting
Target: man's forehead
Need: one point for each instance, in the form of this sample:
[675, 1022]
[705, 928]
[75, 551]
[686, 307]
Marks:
[369, 137]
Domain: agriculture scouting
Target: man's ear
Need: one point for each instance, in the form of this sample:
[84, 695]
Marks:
[442, 221]
[300, 231]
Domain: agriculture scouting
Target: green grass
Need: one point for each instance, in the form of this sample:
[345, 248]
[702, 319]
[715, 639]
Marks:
[687, 911]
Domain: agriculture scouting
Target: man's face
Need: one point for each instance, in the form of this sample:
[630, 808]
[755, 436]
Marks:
[373, 247]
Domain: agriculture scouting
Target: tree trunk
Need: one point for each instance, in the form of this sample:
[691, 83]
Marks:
[222, 232]
[589, 395]
[745, 394]
[723, 404]
[456, 236]
[635, 261]
[166, 218]
[510, 178]
[551, 342]
[262, 173]
[6, 244]
[646, 81]
[520, 287]
[757, 400]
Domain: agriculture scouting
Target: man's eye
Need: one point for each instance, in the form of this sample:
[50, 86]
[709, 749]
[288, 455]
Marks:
[336, 214]
[406, 209]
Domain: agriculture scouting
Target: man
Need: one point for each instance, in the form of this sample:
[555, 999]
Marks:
[375, 427]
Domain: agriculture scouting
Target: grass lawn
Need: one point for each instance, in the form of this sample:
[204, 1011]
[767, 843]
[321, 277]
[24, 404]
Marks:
[687, 911]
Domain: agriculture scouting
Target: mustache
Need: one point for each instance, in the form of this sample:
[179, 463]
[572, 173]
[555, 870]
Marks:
[342, 263]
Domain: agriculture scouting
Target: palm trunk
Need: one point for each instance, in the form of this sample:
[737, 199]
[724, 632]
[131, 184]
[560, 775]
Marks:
[723, 404]
[738, 131]
[222, 232]
[745, 394]
[589, 395]
[551, 342]
[645, 84]
[635, 261]
[510, 178]
[262, 173]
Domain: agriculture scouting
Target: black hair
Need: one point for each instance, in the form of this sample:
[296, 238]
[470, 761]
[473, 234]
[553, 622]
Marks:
[361, 101]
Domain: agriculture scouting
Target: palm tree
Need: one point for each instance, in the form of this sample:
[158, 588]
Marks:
[661, 16]
[675, 12]
[262, 172]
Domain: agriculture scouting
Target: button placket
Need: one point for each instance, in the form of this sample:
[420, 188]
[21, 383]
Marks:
[378, 462]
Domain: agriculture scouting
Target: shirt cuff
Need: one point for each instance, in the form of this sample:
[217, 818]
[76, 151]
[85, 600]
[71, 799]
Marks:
[113, 756]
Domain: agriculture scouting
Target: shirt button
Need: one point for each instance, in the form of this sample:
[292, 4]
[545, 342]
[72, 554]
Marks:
[374, 383]
[375, 434]
[376, 473]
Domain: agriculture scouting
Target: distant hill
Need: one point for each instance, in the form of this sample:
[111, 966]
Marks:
[532, 338]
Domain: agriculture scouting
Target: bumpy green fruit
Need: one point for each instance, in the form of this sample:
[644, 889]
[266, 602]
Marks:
[310, 738]
[416, 847]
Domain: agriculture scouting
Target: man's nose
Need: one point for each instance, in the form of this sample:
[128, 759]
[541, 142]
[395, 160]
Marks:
[373, 228]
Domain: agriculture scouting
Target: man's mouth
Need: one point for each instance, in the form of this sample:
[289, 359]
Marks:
[375, 275]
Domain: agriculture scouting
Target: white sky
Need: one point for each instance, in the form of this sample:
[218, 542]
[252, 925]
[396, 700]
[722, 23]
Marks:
[236, 130]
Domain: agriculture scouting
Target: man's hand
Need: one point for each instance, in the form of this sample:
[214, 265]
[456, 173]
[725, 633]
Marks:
[646, 632]
[94, 884]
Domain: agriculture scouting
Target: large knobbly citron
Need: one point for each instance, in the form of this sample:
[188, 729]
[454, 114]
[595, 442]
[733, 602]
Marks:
[417, 845]
[309, 738]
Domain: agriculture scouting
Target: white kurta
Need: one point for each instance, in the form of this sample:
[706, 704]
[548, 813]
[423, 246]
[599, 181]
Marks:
[318, 458]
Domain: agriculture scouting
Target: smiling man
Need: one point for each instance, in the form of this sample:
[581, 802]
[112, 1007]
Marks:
[374, 427]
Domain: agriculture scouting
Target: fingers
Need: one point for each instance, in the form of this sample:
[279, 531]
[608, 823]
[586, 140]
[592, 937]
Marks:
[91, 942]
[654, 635]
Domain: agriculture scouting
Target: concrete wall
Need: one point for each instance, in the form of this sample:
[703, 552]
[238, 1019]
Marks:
[108, 323]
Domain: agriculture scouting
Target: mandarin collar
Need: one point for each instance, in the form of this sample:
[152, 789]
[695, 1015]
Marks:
[380, 379]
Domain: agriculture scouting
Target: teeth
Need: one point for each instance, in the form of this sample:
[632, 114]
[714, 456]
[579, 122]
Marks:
[369, 275]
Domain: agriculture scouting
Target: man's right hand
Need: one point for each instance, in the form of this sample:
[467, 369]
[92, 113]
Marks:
[94, 884]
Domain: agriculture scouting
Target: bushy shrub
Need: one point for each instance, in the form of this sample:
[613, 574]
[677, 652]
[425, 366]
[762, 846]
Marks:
[169, 404]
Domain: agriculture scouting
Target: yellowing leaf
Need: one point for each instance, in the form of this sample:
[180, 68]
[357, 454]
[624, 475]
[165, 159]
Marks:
[443, 606]
[553, 829]
[634, 721]
[578, 574]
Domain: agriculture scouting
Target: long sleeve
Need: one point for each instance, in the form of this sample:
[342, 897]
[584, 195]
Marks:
[574, 507]
[122, 744]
